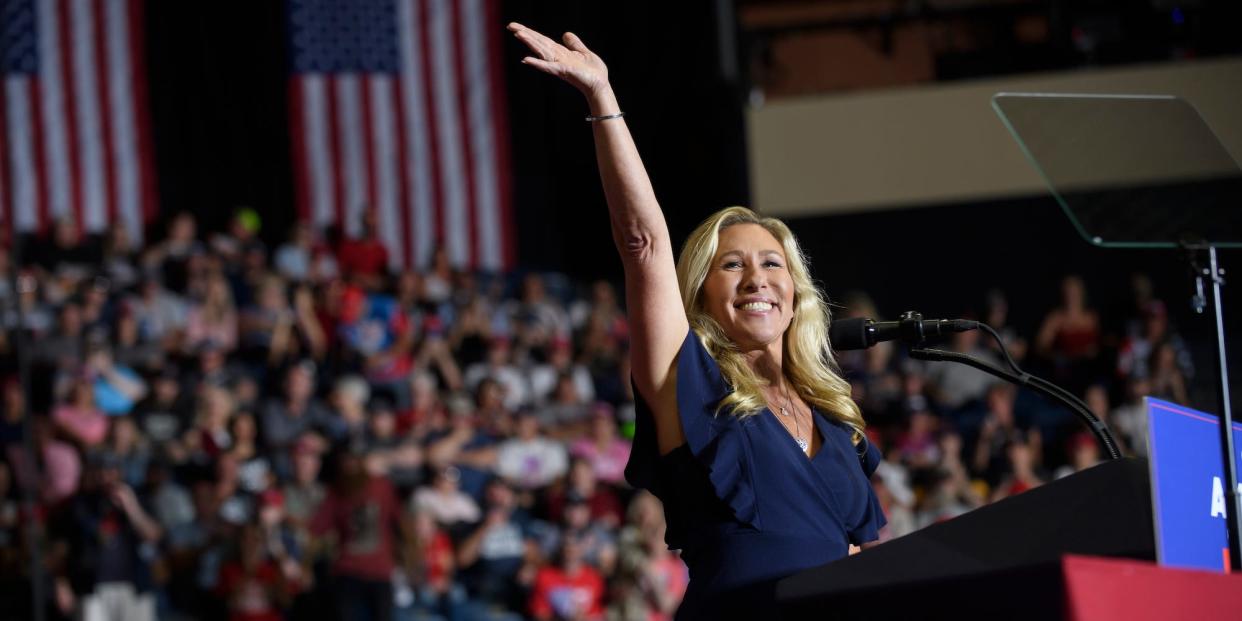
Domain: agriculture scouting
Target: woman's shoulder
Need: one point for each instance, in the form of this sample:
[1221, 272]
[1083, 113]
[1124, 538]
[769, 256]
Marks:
[697, 362]
[701, 387]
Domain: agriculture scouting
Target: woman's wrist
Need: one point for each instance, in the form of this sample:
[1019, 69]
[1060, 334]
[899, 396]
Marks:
[603, 101]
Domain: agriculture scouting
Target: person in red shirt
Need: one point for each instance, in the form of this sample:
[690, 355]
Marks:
[362, 515]
[251, 584]
[571, 589]
[582, 482]
[1023, 475]
[436, 564]
[365, 259]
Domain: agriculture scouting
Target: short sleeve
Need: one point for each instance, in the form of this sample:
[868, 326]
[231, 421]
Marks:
[869, 457]
[868, 527]
[715, 440]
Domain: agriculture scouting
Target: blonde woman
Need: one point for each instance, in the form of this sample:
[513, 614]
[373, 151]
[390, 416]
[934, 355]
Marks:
[213, 319]
[745, 431]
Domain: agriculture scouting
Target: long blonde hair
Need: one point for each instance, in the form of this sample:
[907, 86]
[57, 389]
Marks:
[808, 361]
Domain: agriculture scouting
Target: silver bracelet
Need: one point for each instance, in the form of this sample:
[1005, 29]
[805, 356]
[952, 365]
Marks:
[605, 117]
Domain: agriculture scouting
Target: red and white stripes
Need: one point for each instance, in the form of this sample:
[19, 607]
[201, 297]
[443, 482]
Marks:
[422, 147]
[77, 138]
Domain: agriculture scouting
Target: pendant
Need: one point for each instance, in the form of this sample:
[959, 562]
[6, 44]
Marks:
[804, 445]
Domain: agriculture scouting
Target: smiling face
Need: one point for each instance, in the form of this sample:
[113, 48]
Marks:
[748, 289]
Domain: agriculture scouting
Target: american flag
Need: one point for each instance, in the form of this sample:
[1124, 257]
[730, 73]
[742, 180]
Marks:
[396, 106]
[75, 137]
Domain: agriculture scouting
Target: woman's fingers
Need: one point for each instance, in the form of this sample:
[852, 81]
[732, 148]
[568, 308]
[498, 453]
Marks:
[574, 43]
[542, 65]
[572, 61]
[531, 42]
[541, 38]
[545, 47]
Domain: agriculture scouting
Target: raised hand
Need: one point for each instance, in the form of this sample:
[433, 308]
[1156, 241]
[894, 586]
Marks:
[638, 229]
[571, 62]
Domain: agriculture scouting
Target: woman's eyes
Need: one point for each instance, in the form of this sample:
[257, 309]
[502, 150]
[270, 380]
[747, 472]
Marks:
[730, 265]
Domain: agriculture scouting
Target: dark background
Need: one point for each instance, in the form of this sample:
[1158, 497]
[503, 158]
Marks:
[217, 75]
[217, 84]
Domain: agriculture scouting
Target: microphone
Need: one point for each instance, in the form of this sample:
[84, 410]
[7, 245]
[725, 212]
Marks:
[911, 329]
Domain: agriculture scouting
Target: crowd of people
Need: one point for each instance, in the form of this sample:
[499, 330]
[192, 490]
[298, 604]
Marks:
[213, 428]
[956, 439]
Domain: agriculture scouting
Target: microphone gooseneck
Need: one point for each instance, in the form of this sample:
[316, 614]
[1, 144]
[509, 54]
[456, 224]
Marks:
[911, 329]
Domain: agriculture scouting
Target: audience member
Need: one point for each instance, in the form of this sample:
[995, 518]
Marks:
[531, 460]
[1069, 337]
[602, 447]
[493, 553]
[361, 517]
[444, 502]
[106, 529]
[999, 431]
[570, 588]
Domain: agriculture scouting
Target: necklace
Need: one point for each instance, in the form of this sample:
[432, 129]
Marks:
[802, 442]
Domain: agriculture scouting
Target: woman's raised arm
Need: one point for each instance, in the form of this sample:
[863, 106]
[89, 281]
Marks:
[653, 301]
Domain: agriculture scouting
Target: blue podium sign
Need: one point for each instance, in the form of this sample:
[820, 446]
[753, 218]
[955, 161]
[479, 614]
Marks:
[1187, 491]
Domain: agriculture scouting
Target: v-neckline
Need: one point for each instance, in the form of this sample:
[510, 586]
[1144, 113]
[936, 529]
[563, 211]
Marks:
[815, 429]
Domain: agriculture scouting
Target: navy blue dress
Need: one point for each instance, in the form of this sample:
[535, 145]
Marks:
[743, 503]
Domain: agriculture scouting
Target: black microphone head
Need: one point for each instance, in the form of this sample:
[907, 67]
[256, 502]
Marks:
[848, 334]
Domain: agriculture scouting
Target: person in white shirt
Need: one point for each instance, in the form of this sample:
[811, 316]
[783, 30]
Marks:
[530, 460]
[444, 500]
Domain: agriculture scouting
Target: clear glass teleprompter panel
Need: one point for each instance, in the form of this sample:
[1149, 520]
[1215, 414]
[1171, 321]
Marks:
[1130, 170]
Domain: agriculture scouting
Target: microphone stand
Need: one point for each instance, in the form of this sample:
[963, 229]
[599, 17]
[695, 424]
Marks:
[1017, 376]
[1205, 298]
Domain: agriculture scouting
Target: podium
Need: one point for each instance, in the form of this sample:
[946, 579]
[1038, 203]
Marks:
[1001, 561]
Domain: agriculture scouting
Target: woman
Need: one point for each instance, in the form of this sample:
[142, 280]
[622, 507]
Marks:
[251, 584]
[1069, 338]
[601, 447]
[269, 315]
[129, 447]
[210, 437]
[212, 319]
[651, 579]
[744, 430]
[254, 471]
[79, 418]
